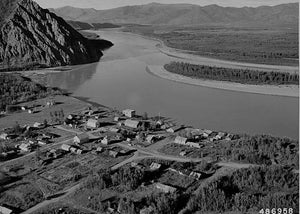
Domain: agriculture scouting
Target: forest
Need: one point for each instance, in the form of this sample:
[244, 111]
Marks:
[248, 190]
[244, 76]
[17, 89]
[262, 149]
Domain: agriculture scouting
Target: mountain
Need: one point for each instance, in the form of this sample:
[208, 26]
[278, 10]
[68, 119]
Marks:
[30, 35]
[185, 14]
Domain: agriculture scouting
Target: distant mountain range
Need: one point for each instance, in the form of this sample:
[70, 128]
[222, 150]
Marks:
[185, 14]
[32, 35]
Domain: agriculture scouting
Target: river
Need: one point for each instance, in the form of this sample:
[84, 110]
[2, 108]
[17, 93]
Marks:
[120, 80]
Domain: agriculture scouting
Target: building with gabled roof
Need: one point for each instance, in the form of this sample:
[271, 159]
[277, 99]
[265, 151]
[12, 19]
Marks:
[180, 140]
[129, 112]
[132, 123]
[165, 188]
[81, 138]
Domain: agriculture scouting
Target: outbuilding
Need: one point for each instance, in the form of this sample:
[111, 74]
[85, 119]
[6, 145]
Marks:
[65, 147]
[4, 210]
[165, 188]
[81, 138]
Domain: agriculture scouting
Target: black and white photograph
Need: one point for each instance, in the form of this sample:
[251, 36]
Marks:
[149, 107]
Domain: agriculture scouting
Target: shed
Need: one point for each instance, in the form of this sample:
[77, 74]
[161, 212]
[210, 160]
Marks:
[180, 140]
[113, 153]
[165, 188]
[38, 125]
[129, 112]
[92, 123]
[132, 124]
[81, 138]
[197, 175]
[3, 136]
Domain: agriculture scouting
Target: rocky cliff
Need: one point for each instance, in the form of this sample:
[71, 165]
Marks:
[32, 35]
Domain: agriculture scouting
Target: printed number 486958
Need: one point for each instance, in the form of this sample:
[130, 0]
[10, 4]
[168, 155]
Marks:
[277, 211]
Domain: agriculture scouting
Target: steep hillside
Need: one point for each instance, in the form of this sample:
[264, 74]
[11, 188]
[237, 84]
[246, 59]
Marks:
[186, 14]
[30, 35]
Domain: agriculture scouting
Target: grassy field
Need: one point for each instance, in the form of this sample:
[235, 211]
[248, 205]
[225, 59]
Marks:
[253, 45]
[67, 104]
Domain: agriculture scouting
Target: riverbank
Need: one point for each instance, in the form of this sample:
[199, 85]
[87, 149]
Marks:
[289, 91]
[188, 56]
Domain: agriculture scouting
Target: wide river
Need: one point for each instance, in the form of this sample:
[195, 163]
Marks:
[120, 80]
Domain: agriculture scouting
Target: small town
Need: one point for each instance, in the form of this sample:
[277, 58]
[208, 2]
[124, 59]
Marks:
[54, 155]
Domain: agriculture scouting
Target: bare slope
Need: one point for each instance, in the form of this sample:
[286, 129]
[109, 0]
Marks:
[32, 35]
[186, 14]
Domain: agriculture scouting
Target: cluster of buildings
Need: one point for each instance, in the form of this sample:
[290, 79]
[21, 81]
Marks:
[197, 136]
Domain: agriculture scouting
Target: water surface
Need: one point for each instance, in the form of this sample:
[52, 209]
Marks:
[120, 80]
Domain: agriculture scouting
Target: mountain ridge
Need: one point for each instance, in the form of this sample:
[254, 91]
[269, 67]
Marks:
[185, 14]
[30, 34]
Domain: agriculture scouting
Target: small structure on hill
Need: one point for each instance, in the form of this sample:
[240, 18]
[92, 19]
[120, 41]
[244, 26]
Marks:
[65, 147]
[155, 166]
[174, 129]
[81, 138]
[129, 112]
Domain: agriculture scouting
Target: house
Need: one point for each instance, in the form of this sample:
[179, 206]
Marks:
[132, 124]
[155, 166]
[152, 138]
[197, 175]
[25, 147]
[116, 119]
[183, 153]
[229, 137]
[194, 145]
[220, 135]
[147, 210]
[180, 140]
[81, 138]
[65, 147]
[165, 188]
[50, 103]
[99, 149]
[113, 153]
[4, 210]
[31, 111]
[92, 123]
[129, 112]
[174, 129]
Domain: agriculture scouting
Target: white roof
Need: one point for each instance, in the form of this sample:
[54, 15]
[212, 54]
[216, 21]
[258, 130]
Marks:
[131, 123]
[180, 139]
[128, 110]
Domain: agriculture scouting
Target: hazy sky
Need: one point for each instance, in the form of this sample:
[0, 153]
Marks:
[106, 4]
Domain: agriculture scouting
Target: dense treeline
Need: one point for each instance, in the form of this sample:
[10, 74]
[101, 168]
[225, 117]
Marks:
[249, 189]
[262, 149]
[233, 75]
[16, 89]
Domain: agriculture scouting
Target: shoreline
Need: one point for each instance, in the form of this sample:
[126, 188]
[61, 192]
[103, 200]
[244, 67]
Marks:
[210, 61]
[286, 91]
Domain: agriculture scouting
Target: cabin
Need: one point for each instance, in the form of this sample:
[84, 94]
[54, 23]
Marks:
[129, 113]
[81, 138]
[26, 147]
[207, 133]
[4, 136]
[92, 124]
[132, 124]
[113, 153]
[165, 188]
[174, 129]
[180, 140]
[65, 147]
[4, 210]
[155, 166]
